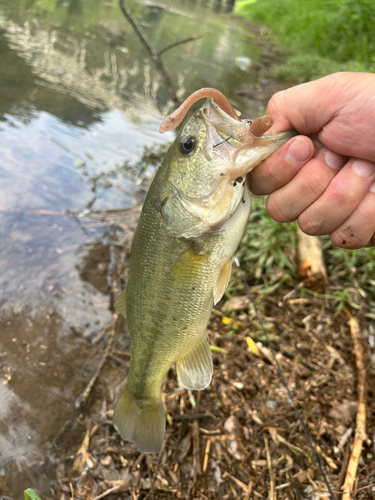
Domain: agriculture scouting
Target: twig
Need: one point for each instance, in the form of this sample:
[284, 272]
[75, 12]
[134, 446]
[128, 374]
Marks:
[341, 478]
[151, 477]
[82, 398]
[206, 455]
[245, 488]
[154, 55]
[106, 329]
[196, 451]
[360, 430]
[178, 42]
[193, 416]
[249, 489]
[269, 463]
[80, 225]
[123, 485]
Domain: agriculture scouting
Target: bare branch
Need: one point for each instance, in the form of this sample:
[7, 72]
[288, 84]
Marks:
[178, 42]
[154, 55]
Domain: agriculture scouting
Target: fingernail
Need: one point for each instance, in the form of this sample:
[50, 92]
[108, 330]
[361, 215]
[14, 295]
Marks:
[333, 160]
[298, 152]
[372, 188]
[363, 168]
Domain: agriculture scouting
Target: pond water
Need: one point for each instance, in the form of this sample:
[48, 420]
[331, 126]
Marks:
[79, 102]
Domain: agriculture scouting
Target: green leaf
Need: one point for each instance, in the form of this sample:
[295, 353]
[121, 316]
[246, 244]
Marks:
[30, 494]
[214, 348]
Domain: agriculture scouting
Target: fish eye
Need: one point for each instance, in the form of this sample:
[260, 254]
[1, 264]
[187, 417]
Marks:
[187, 144]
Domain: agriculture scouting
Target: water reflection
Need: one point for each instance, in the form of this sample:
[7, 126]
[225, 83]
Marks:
[79, 100]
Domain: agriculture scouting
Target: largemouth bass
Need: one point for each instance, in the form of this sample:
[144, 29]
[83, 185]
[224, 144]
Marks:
[191, 224]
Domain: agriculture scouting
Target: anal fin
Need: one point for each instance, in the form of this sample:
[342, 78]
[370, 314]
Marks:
[222, 281]
[195, 369]
[120, 303]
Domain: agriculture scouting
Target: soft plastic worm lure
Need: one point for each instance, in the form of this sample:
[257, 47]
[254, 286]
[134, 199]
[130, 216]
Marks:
[261, 125]
[257, 128]
[171, 121]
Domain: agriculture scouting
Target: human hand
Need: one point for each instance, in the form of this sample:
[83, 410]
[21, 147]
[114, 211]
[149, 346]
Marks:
[324, 179]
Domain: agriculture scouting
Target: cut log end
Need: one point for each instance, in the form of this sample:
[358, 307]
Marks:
[311, 266]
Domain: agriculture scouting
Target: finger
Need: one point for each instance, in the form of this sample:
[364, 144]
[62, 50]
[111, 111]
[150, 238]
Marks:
[359, 227]
[288, 202]
[281, 167]
[342, 196]
[307, 107]
[371, 242]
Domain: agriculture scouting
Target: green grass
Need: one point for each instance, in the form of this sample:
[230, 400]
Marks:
[268, 256]
[267, 245]
[322, 36]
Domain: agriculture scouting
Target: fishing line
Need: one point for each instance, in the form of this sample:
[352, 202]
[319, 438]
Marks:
[290, 395]
[222, 142]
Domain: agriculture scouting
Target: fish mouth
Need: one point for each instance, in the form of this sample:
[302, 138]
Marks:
[231, 140]
[226, 127]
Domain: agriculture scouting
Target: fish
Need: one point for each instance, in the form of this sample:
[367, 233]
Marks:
[191, 224]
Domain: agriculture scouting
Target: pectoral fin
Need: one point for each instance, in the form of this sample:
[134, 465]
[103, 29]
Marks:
[120, 303]
[195, 369]
[222, 281]
[189, 266]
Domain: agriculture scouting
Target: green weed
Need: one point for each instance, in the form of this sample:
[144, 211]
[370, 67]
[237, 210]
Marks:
[267, 249]
[344, 298]
[30, 494]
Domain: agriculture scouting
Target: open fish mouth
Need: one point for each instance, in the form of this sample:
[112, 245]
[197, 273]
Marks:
[233, 140]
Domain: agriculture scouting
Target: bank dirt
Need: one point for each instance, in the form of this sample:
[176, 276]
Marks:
[239, 438]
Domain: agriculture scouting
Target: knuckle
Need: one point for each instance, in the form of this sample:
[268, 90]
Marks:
[276, 102]
[310, 225]
[265, 179]
[316, 183]
[278, 209]
[339, 194]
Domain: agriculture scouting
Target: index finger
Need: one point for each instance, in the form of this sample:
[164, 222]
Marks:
[310, 106]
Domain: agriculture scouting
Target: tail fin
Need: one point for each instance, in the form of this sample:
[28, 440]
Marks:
[141, 421]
